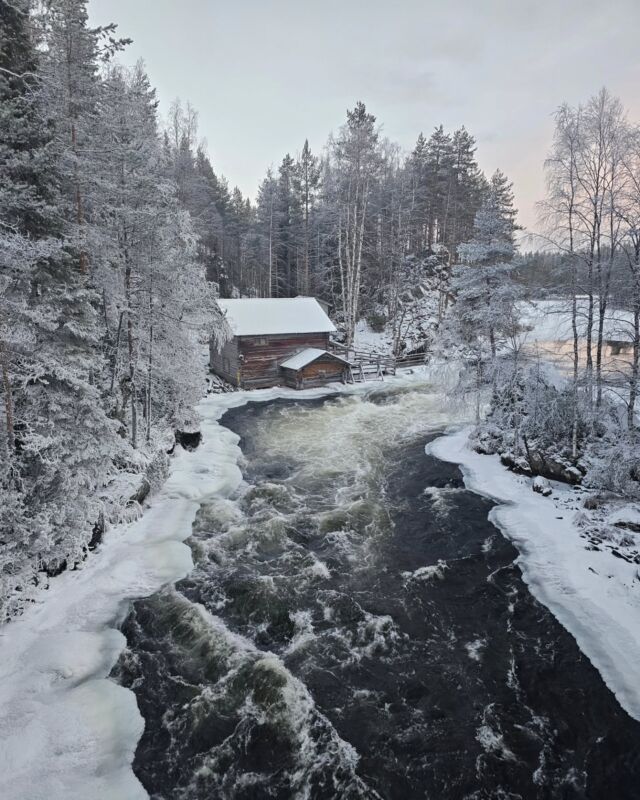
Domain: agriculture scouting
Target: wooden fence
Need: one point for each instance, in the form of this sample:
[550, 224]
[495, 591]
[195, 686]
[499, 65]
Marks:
[366, 362]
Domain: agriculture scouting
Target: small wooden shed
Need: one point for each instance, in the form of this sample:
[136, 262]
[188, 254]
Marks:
[265, 333]
[314, 367]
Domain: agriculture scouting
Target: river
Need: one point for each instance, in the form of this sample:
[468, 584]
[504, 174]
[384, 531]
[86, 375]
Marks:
[355, 627]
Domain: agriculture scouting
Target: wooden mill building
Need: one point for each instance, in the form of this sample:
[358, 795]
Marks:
[277, 341]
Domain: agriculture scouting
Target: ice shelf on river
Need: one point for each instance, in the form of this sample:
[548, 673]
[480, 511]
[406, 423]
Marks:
[68, 732]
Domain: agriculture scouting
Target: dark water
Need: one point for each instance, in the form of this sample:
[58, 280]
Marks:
[356, 628]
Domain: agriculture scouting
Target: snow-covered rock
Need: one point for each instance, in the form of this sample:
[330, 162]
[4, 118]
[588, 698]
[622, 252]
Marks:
[627, 516]
[541, 486]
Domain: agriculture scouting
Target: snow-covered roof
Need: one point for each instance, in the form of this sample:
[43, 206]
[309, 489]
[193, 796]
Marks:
[271, 316]
[307, 356]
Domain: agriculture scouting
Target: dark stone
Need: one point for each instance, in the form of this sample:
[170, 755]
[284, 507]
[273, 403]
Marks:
[618, 554]
[97, 534]
[57, 568]
[541, 486]
[141, 493]
[551, 467]
[188, 439]
[628, 525]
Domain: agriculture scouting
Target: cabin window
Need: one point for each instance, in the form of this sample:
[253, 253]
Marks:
[262, 340]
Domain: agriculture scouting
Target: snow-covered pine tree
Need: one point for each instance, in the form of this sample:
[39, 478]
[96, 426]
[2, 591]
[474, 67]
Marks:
[419, 202]
[62, 443]
[439, 163]
[158, 301]
[266, 222]
[26, 229]
[485, 314]
[69, 443]
[207, 216]
[430, 166]
[289, 229]
[356, 153]
[465, 192]
[306, 183]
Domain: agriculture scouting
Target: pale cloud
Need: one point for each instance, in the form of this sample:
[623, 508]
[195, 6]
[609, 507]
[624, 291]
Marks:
[266, 74]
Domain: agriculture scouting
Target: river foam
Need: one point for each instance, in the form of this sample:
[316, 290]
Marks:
[68, 732]
[417, 663]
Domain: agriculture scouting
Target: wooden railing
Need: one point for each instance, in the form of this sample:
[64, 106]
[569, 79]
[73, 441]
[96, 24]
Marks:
[411, 360]
[368, 363]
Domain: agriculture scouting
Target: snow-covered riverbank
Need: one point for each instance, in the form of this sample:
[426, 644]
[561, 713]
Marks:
[68, 732]
[595, 595]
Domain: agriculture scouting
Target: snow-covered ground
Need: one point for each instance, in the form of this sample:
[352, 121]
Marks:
[367, 339]
[594, 593]
[545, 321]
[550, 321]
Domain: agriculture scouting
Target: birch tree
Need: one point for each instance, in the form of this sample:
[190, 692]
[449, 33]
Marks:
[628, 209]
[560, 214]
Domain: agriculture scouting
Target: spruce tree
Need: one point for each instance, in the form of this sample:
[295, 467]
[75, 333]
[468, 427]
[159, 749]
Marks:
[438, 166]
[486, 296]
[289, 225]
[55, 448]
[465, 192]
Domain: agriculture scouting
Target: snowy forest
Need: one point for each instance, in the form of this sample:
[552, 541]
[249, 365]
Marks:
[102, 288]
[329, 489]
[117, 234]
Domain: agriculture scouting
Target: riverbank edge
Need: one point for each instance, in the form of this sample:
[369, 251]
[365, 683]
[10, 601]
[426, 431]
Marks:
[67, 731]
[595, 596]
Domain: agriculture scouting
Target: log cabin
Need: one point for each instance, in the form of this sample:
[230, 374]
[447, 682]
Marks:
[313, 367]
[277, 341]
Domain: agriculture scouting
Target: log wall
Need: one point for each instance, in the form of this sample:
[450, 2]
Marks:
[253, 362]
[262, 356]
[322, 371]
[225, 362]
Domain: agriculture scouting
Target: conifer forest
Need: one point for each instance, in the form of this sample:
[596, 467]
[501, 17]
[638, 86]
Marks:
[408, 565]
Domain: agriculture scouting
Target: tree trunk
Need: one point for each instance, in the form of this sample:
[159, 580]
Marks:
[8, 400]
[602, 310]
[114, 369]
[635, 364]
[150, 364]
[343, 286]
[130, 348]
[306, 235]
[83, 258]
[576, 365]
[272, 282]
[589, 342]
[478, 386]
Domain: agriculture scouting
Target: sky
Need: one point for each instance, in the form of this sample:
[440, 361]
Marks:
[266, 74]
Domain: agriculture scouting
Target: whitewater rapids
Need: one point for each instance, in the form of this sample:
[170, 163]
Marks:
[311, 608]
